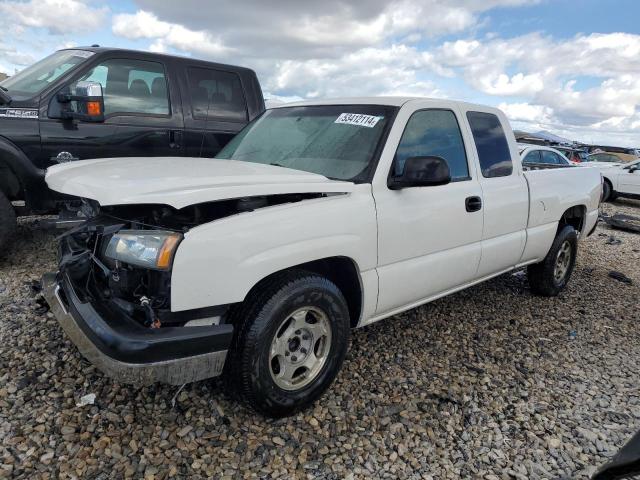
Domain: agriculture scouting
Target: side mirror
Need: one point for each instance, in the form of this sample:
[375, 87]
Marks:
[427, 171]
[89, 102]
[634, 168]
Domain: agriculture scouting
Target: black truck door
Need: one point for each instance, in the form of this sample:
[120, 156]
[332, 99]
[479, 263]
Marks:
[143, 115]
[214, 107]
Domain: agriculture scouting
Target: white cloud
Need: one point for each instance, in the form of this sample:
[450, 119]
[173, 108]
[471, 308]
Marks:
[327, 29]
[57, 16]
[10, 57]
[525, 112]
[369, 71]
[144, 24]
[584, 85]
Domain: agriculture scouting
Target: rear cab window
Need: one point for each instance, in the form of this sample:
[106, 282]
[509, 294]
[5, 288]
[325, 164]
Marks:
[491, 144]
[217, 95]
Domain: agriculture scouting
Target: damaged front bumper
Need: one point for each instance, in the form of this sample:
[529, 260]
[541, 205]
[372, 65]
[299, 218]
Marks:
[129, 352]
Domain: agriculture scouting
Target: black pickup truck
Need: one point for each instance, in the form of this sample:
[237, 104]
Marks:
[98, 102]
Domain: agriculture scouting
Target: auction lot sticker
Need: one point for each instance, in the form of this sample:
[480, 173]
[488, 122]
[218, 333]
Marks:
[358, 119]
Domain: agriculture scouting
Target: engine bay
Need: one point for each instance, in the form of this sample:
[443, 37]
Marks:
[141, 293]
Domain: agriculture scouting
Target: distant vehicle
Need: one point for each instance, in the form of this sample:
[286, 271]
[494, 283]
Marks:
[318, 217]
[574, 155]
[622, 155]
[607, 158]
[93, 102]
[535, 157]
[621, 181]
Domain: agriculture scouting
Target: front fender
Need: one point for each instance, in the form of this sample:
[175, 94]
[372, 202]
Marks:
[219, 262]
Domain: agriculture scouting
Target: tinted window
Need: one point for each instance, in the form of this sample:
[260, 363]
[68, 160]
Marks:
[561, 160]
[532, 157]
[549, 157]
[216, 94]
[131, 86]
[491, 144]
[433, 132]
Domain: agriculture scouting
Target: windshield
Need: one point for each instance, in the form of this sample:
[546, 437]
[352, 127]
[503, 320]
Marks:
[338, 142]
[41, 74]
[635, 163]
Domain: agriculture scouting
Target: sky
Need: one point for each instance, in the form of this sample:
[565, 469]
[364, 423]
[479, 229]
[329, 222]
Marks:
[571, 67]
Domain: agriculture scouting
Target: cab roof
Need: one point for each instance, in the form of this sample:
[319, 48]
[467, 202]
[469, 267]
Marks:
[99, 49]
[385, 101]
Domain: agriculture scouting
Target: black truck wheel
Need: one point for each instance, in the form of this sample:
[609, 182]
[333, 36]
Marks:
[7, 221]
[549, 277]
[293, 335]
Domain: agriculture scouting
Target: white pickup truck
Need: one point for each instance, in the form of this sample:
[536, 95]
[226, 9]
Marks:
[317, 218]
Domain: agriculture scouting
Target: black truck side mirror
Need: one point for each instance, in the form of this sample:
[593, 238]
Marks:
[89, 102]
[426, 171]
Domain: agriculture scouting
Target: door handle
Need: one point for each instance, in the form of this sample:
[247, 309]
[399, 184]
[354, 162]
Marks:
[473, 204]
[175, 138]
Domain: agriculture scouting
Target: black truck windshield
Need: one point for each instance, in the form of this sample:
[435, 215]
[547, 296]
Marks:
[35, 78]
[339, 142]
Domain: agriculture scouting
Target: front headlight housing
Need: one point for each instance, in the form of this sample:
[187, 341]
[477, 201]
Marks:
[145, 248]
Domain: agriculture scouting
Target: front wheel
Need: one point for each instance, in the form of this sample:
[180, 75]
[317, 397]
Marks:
[549, 277]
[293, 335]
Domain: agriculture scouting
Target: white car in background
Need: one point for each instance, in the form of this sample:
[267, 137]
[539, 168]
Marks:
[621, 181]
[535, 157]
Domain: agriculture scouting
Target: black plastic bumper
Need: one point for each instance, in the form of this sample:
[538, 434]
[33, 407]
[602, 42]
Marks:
[131, 353]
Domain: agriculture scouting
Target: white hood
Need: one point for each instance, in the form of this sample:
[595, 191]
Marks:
[180, 181]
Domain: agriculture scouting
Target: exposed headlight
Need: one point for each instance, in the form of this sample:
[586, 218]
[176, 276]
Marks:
[145, 248]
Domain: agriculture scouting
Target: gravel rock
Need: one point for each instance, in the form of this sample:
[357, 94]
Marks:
[490, 383]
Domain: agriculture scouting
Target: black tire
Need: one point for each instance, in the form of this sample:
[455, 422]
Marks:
[606, 191]
[248, 368]
[8, 223]
[542, 276]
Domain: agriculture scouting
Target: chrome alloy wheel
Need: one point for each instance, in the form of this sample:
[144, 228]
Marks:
[300, 348]
[563, 260]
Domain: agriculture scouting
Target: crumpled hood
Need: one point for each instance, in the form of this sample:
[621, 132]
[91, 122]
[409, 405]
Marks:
[180, 181]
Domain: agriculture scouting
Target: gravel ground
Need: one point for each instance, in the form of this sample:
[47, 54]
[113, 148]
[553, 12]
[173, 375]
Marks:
[489, 383]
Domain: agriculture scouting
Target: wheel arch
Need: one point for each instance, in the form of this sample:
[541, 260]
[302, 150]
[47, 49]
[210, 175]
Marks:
[20, 179]
[343, 271]
[575, 216]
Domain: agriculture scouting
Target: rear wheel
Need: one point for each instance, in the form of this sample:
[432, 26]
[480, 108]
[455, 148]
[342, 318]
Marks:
[293, 335]
[549, 277]
[8, 223]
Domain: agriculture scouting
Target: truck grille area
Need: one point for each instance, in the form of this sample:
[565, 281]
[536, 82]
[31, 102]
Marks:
[142, 294]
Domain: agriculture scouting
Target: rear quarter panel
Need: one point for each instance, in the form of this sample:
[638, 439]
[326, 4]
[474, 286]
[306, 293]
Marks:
[552, 192]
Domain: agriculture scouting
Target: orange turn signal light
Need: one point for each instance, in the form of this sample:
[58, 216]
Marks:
[166, 252]
[93, 109]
